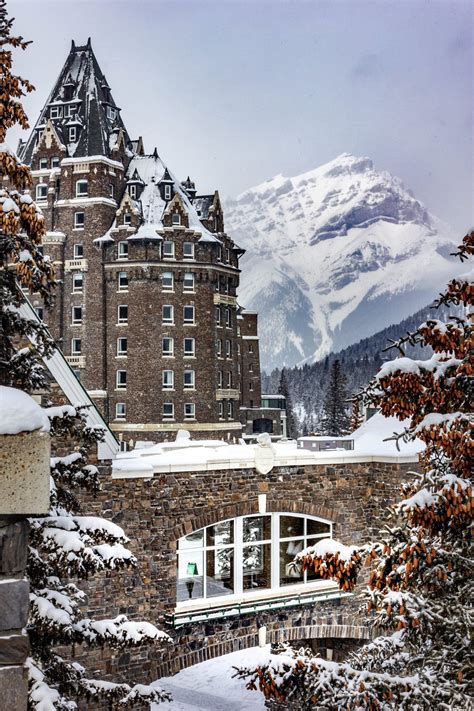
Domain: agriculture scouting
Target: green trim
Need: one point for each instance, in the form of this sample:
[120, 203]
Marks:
[178, 619]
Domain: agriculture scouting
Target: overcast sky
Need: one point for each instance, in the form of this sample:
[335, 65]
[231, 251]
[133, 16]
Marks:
[235, 92]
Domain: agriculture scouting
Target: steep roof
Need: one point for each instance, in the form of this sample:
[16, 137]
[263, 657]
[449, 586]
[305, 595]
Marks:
[90, 106]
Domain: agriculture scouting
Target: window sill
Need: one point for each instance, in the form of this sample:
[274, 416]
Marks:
[122, 291]
[122, 323]
[168, 323]
[121, 356]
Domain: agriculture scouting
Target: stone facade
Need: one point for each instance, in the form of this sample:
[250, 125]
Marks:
[156, 512]
[146, 311]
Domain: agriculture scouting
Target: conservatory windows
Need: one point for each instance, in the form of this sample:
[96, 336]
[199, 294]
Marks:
[82, 188]
[245, 555]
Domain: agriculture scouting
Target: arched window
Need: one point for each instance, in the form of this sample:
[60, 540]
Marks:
[247, 555]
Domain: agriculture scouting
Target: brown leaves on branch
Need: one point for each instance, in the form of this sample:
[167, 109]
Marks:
[332, 567]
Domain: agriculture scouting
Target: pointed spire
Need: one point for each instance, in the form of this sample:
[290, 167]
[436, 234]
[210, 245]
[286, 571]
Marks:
[155, 153]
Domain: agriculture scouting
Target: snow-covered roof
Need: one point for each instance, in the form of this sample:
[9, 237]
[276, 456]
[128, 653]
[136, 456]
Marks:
[201, 455]
[20, 413]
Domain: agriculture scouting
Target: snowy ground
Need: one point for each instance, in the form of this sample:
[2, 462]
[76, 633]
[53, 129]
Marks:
[209, 686]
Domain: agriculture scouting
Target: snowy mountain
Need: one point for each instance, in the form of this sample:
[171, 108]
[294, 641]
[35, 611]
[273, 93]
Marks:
[333, 256]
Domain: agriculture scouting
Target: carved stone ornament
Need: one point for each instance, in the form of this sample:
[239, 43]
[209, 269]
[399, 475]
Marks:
[264, 454]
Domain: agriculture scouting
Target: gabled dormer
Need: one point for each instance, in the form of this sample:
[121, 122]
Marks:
[189, 187]
[176, 214]
[128, 214]
[135, 186]
[166, 186]
[72, 129]
[48, 141]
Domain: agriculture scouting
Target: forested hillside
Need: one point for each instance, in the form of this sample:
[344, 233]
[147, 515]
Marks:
[359, 362]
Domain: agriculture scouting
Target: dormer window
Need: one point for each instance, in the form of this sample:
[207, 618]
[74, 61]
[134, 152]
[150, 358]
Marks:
[43, 164]
[82, 188]
[176, 218]
[127, 219]
[68, 91]
[72, 134]
[56, 112]
[55, 162]
[167, 192]
[132, 191]
[111, 113]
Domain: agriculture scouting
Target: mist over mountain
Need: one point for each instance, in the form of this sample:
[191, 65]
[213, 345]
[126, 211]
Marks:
[335, 255]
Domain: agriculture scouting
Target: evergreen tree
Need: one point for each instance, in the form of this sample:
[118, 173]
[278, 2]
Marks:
[64, 543]
[291, 429]
[335, 420]
[420, 590]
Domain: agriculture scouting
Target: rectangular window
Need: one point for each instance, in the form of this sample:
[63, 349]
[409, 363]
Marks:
[76, 346]
[176, 218]
[43, 163]
[122, 281]
[168, 249]
[77, 282]
[230, 409]
[168, 314]
[111, 113]
[72, 134]
[221, 410]
[127, 219]
[219, 254]
[132, 191]
[167, 281]
[189, 380]
[79, 220]
[228, 348]
[188, 282]
[188, 250]
[76, 314]
[111, 190]
[168, 411]
[122, 250]
[228, 317]
[250, 386]
[82, 188]
[56, 112]
[120, 411]
[227, 255]
[78, 251]
[55, 162]
[42, 191]
[121, 346]
[229, 380]
[189, 348]
[121, 382]
[167, 346]
[122, 313]
[250, 347]
[168, 379]
[219, 347]
[188, 314]
[167, 192]
[69, 110]
[220, 378]
[218, 315]
[39, 312]
[189, 411]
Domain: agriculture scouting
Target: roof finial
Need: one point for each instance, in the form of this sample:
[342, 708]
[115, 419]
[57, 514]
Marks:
[73, 46]
[155, 153]
[89, 45]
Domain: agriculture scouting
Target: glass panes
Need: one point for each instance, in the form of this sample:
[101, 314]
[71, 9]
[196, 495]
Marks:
[190, 575]
[256, 561]
[220, 534]
[256, 528]
[219, 572]
[290, 572]
[193, 540]
[291, 526]
[317, 527]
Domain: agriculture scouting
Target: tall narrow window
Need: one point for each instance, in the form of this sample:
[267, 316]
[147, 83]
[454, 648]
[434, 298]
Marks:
[219, 347]
[189, 347]
[82, 188]
[77, 283]
[218, 315]
[189, 379]
[167, 192]
[168, 314]
[122, 250]
[121, 382]
[79, 220]
[72, 134]
[188, 314]
[122, 314]
[78, 251]
[230, 409]
[132, 191]
[120, 411]
[168, 379]
[122, 346]
[167, 281]
[76, 346]
[220, 378]
[76, 315]
[228, 317]
[188, 282]
[42, 191]
[228, 348]
[167, 347]
[123, 281]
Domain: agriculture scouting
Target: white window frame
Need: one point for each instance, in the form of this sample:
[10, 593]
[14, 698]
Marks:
[220, 378]
[168, 254]
[45, 163]
[127, 218]
[122, 249]
[169, 415]
[219, 347]
[186, 320]
[191, 256]
[55, 162]
[72, 134]
[176, 219]
[167, 192]
[189, 411]
[230, 409]
[79, 277]
[118, 378]
[192, 384]
[79, 191]
[122, 281]
[122, 320]
[132, 191]
[167, 352]
[202, 550]
[44, 189]
[75, 350]
[167, 287]
[78, 251]
[56, 112]
[228, 317]
[229, 379]
[189, 289]
[228, 348]
[121, 351]
[168, 320]
[120, 411]
[221, 410]
[78, 225]
[79, 320]
[167, 379]
[190, 354]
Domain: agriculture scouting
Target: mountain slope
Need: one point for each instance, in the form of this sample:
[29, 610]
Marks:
[334, 255]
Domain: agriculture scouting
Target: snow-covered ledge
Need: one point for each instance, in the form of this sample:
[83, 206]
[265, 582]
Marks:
[24, 454]
[211, 455]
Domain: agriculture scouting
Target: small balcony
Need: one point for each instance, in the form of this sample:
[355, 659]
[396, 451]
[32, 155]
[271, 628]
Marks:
[78, 265]
[227, 394]
[76, 361]
[225, 299]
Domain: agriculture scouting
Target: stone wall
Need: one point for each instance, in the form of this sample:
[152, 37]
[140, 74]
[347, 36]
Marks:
[155, 513]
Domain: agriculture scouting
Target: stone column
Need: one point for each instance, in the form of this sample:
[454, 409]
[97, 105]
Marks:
[24, 490]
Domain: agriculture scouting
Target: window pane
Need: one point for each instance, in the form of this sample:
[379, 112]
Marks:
[193, 540]
[256, 528]
[316, 527]
[289, 573]
[220, 534]
[256, 566]
[291, 526]
[219, 572]
[190, 575]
